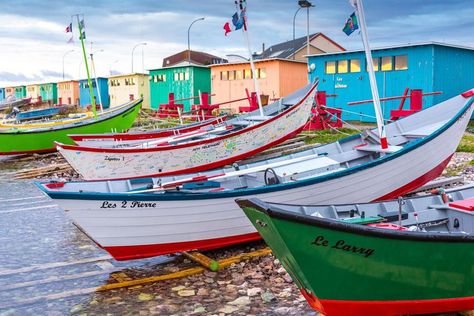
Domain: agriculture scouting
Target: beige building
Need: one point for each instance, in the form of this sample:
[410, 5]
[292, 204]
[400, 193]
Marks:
[123, 88]
[33, 92]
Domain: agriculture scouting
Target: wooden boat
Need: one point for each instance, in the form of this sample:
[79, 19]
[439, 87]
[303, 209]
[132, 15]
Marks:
[146, 217]
[12, 102]
[16, 141]
[237, 139]
[117, 140]
[406, 257]
[73, 118]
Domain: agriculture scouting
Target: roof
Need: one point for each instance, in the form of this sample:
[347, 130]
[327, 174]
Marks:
[128, 75]
[289, 48]
[182, 65]
[398, 46]
[199, 58]
[260, 61]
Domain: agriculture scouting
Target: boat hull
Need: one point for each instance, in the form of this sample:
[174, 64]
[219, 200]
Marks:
[341, 270]
[27, 141]
[115, 164]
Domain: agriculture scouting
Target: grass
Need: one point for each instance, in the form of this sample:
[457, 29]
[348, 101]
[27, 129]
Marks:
[328, 136]
[467, 144]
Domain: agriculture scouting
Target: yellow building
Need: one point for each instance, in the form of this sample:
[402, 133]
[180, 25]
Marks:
[123, 88]
[33, 92]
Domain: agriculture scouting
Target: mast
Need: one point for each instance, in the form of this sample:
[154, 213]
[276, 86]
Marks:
[252, 66]
[96, 83]
[91, 91]
[373, 83]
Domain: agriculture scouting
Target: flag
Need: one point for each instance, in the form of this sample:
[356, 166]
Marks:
[227, 28]
[83, 35]
[69, 28]
[351, 24]
[81, 24]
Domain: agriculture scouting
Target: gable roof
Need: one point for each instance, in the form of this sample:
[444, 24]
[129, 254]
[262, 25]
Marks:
[198, 58]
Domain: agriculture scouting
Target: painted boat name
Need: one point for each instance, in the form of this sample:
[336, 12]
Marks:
[321, 241]
[108, 158]
[125, 204]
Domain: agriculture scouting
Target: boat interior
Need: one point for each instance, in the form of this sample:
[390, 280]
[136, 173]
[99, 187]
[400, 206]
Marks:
[447, 212]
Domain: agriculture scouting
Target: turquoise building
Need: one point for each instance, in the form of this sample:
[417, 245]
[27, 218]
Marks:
[84, 94]
[2, 93]
[20, 92]
[49, 92]
[184, 81]
[427, 66]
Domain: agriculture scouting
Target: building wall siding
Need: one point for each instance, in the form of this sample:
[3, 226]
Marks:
[68, 92]
[49, 92]
[33, 91]
[122, 93]
[84, 96]
[2, 93]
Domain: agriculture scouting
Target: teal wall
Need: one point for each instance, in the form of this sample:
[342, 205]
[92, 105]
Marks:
[2, 93]
[20, 92]
[49, 92]
[184, 82]
[431, 68]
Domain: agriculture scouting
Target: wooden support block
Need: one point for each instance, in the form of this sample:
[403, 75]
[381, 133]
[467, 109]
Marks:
[203, 260]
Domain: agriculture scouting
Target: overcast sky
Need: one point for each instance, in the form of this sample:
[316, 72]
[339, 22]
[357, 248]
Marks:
[33, 39]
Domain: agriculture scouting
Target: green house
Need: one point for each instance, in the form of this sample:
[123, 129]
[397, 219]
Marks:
[49, 92]
[185, 81]
[20, 92]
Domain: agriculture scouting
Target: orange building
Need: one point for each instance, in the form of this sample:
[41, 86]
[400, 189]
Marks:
[277, 78]
[68, 92]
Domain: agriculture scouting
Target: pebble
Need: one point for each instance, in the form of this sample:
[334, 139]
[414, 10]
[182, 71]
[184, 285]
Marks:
[228, 309]
[254, 291]
[145, 297]
[268, 297]
[186, 293]
[178, 288]
[241, 301]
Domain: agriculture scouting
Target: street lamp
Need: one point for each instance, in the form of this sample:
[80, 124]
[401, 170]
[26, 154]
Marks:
[306, 4]
[139, 44]
[69, 51]
[294, 18]
[189, 45]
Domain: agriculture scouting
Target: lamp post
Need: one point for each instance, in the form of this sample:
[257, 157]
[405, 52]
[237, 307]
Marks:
[189, 44]
[294, 18]
[306, 4]
[139, 44]
[69, 51]
[95, 77]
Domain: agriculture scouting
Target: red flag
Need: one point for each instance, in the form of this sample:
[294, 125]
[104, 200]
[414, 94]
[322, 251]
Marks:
[69, 28]
[227, 28]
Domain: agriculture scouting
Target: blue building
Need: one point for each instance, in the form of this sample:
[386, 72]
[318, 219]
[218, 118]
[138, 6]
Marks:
[427, 66]
[2, 93]
[84, 95]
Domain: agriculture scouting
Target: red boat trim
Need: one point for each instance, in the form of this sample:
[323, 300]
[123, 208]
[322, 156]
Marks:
[133, 136]
[392, 308]
[418, 182]
[145, 251]
[190, 144]
[215, 164]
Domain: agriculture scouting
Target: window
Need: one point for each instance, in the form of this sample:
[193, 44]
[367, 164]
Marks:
[262, 73]
[181, 76]
[238, 74]
[232, 75]
[330, 67]
[176, 76]
[401, 62]
[224, 75]
[342, 66]
[387, 64]
[247, 74]
[375, 62]
[355, 65]
[186, 76]
[159, 78]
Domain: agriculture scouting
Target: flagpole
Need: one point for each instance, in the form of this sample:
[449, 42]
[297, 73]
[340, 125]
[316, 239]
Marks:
[373, 83]
[252, 66]
[91, 92]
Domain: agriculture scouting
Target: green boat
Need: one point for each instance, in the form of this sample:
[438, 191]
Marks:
[15, 141]
[387, 258]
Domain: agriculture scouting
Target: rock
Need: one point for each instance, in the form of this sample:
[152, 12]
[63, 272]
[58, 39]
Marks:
[164, 309]
[287, 278]
[203, 292]
[199, 310]
[186, 293]
[241, 301]
[282, 310]
[268, 297]
[76, 309]
[281, 270]
[254, 291]
[210, 274]
[209, 280]
[143, 313]
[93, 302]
[145, 297]
[276, 262]
[228, 309]
[178, 288]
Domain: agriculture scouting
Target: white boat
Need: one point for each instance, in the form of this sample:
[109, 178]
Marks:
[153, 216]
[235, 139]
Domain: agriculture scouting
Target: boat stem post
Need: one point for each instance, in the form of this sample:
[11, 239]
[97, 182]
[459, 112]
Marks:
[373, 83]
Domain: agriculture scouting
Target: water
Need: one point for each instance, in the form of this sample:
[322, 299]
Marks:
[38, 248]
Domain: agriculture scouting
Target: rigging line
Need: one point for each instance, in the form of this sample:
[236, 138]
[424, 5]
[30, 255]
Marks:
[347, 123]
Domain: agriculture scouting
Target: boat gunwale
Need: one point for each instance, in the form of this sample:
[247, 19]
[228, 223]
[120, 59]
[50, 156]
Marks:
[356, 229]
[192, 143]
[176, 196]
[89, 121]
